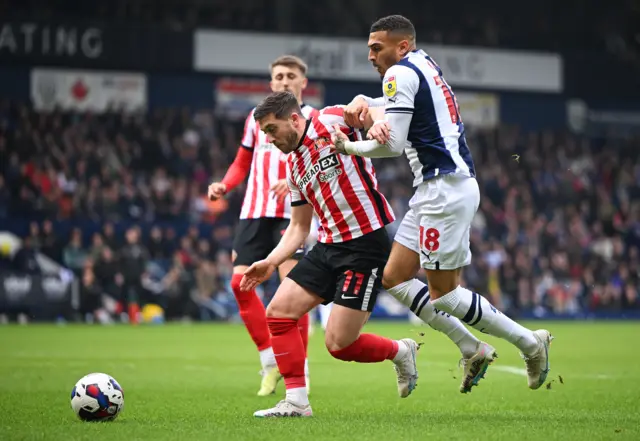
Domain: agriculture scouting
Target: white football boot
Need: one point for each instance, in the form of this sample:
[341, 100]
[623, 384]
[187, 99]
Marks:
[285, 409]
[406, 368]
[538, 362]
[476, 366]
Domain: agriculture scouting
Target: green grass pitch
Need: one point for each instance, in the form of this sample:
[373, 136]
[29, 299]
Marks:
[198, 382]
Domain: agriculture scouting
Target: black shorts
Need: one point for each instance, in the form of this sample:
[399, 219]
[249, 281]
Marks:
[256, 238]
[347, 273]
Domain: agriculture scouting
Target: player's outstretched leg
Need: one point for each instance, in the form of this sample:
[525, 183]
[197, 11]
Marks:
[476, 311]
[252, 312]
[402, 266]
[445, 208]
[283, 314]
[305, 321]
[477, 355]
[344, 342]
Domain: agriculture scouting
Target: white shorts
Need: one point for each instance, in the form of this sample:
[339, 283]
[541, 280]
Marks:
[438, 222]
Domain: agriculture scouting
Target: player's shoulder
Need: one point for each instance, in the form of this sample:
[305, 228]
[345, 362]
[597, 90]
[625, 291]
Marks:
[309, 112]
[400, 77]
[402, 71]
[330, 115]
[336, 110]
[250, 117]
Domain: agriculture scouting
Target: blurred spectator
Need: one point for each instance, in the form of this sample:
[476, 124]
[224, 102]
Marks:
[50, 245]
[177, 285]
[34, 235]
[5, 199]
[97, 246]
[109, 236]
[24, 260]
[108, 275]
[133, 259]
[91, 306]
[213, 300]
[155, 244]
[74, 255]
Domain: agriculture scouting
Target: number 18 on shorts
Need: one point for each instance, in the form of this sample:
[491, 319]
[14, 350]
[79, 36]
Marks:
[442, 223]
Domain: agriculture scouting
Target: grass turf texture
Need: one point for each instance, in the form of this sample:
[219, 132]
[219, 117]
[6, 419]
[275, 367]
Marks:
[187, 382]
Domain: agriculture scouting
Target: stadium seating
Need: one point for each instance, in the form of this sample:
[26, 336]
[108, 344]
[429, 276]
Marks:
[558, 216]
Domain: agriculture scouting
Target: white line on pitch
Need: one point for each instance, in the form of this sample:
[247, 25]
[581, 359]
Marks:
[522, 372]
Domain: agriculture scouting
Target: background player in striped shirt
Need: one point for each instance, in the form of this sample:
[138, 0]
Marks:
[343, 267]
[424, 121]
[265, 214]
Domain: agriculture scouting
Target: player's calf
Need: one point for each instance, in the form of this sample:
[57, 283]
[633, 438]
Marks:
[479, 313]
[344, 342]
[399, 281]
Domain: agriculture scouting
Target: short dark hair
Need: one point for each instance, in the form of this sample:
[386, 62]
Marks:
[290, 61]
[395, 24]
[281, 104]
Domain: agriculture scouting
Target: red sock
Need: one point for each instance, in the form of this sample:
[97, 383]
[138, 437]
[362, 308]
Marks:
[289, 350]
[368, 348]
[303, 326]
[252, 313]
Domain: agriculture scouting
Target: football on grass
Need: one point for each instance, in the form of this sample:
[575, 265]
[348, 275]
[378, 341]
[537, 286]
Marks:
[97, 397]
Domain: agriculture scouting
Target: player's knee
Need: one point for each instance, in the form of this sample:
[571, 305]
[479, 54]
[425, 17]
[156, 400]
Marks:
[274, 311]
[391, 278]
[337, 341]
[282, 309]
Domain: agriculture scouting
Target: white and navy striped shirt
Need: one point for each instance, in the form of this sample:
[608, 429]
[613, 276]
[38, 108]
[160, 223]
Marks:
[436, 144]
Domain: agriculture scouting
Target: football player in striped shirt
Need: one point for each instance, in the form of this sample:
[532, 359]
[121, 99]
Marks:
[424, 121]
[265, 214]
[343, 267]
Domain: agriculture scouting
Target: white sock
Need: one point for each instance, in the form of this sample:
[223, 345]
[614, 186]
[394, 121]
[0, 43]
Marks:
[298, 395]
[476, 311]
[267, 359]
[306, 367]
[415, 295]
[403, 350]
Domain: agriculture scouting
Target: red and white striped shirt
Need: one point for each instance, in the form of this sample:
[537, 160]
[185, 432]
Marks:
[342, 189]
[267, 168]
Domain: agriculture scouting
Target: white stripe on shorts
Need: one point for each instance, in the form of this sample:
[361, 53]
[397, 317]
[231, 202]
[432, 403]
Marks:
[369, 290]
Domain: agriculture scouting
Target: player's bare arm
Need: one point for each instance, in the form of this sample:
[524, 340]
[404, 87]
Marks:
[294, 236]
[356, 112]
